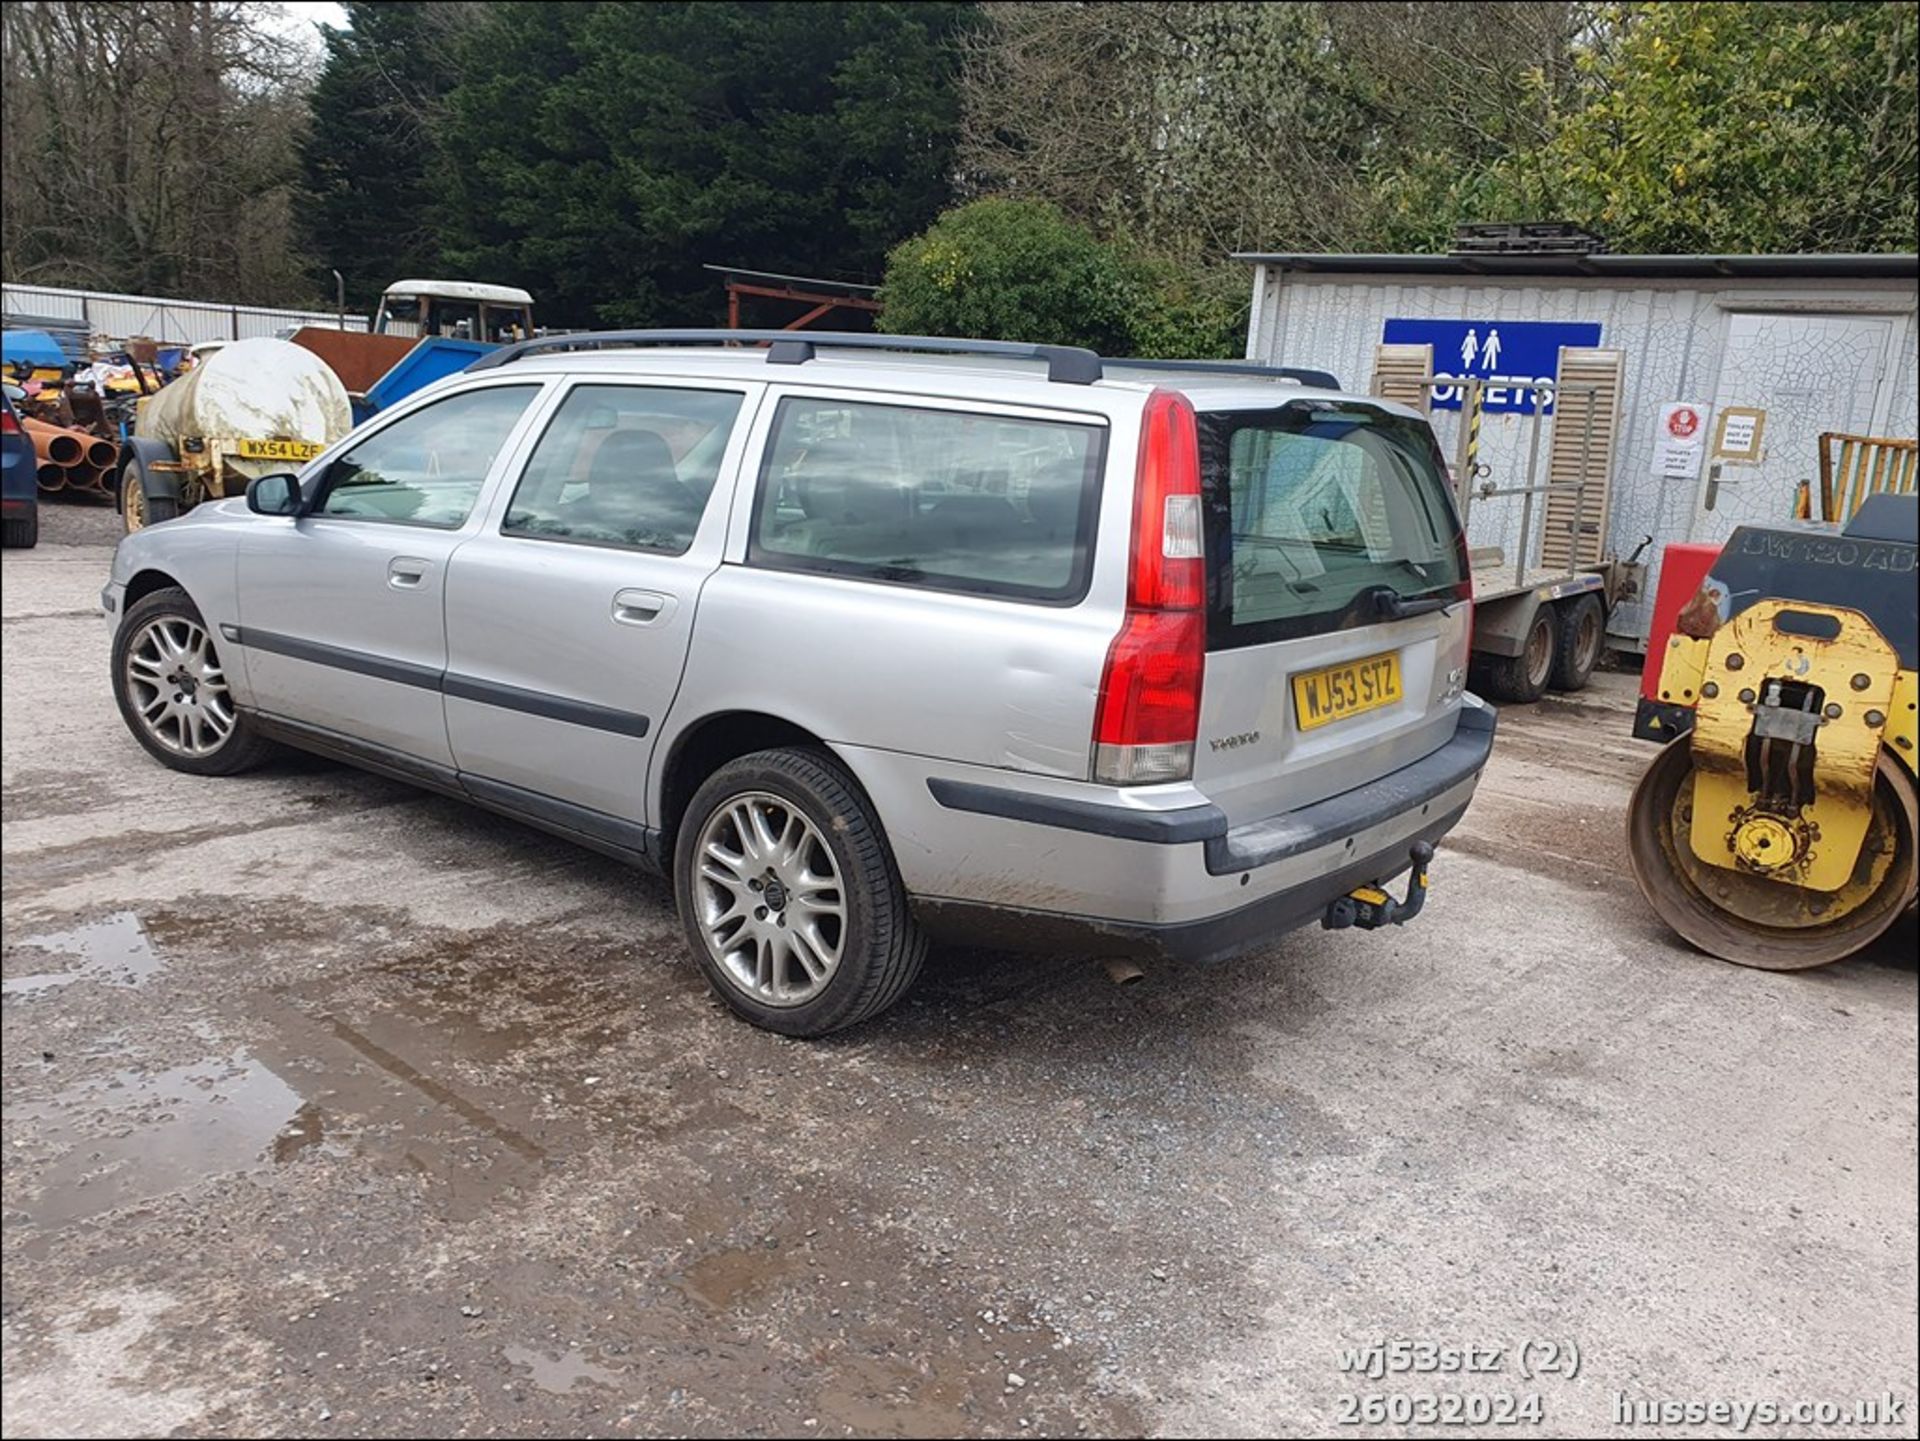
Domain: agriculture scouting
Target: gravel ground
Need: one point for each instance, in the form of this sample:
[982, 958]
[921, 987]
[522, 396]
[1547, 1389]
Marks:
[331, 1107]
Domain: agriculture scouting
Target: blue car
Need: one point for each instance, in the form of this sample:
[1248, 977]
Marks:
[19, 489]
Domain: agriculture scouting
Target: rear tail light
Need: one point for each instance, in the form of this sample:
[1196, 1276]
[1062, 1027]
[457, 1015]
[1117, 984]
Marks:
[1150, 699]
[1149, 711]
[1464, 590]
[8, 425]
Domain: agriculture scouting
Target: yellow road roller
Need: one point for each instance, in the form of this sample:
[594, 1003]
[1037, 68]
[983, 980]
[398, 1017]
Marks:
[1778, 827]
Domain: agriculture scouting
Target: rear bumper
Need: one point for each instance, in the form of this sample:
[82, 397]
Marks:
[1337, 818]
[1155, 871]
[1213, 938]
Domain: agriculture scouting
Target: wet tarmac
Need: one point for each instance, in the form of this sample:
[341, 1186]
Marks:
[335, 1108]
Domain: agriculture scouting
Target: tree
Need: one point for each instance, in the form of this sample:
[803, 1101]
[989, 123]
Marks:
[1020, 270]
[1008, 270]
[1446, 91]
[1189, 129]
[150, 148]
[601, 154]
[1756, 127]
[1197, 129]
[370, 154]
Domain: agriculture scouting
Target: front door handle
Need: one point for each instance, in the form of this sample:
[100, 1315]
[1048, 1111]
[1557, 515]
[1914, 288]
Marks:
[405, 572]
[641, 607]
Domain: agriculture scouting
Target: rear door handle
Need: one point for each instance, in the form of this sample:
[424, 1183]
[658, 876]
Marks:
[405, 572]
[641, 607]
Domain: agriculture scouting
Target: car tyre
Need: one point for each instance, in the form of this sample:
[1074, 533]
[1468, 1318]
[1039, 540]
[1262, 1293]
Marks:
[138, 510]
[21, 534]
[162, 635]
[783, 836]
[1580, 625]
[1523, 679]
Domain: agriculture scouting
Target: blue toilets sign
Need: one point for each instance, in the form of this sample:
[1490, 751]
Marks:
[1515, 360]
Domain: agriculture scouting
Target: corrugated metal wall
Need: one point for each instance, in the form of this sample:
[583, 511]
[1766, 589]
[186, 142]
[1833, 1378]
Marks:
[1673, 334]
[190, 321]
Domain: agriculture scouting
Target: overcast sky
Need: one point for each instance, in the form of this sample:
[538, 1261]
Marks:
[298, 17]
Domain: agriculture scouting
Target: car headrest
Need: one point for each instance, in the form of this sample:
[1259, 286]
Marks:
[970, 519]
[842, 485]
[629, 456]
[1053, 496]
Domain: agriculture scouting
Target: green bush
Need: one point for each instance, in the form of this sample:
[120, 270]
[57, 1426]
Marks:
[1175, 314]
[1002, 269]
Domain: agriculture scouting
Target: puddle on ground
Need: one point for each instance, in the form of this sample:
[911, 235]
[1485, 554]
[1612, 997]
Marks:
[467, 1063]
[886, 1396]
[724, 1277]
[558, 1375]
[115, 949]
[307, 1128]
[152, 1135]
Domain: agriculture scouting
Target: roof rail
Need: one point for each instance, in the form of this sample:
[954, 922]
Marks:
[1067, 364]
[1321, 379]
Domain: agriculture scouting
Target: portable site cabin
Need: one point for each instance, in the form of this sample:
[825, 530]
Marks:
[1718, 375]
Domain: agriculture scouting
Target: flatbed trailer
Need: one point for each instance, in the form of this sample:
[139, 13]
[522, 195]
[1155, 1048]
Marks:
[1536, 625]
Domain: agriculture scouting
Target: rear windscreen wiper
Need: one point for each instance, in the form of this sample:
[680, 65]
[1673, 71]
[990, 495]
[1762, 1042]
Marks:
[1389, 604]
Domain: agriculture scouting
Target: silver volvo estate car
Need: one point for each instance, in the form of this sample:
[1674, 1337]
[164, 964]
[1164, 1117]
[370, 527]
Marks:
[863, 640]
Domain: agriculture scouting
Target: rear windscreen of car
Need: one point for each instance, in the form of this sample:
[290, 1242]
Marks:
[1310, 509]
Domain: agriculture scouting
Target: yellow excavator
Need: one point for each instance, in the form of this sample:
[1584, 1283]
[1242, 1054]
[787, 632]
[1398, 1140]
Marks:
[1778, 829]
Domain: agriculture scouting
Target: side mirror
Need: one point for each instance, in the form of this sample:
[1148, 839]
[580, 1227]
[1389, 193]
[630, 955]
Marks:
[274, 495]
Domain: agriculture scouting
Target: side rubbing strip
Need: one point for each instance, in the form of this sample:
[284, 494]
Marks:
[533, 702]
[508, 697]
[359, 662]
[1166, 828]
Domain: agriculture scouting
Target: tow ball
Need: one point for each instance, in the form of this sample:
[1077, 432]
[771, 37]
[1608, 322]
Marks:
[1370, 907]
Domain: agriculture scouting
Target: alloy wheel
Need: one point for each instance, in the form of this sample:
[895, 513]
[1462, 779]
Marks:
[771, 907]
[178, 688]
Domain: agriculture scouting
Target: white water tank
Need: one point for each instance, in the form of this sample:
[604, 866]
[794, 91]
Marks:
[251, 390]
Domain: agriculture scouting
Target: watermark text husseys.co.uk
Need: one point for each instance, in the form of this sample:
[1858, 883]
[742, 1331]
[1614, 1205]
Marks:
[1886, 1409]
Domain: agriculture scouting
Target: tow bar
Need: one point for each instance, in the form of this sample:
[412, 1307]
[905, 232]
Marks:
[1370, 907]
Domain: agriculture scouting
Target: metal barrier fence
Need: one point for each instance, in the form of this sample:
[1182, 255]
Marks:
[121, 317]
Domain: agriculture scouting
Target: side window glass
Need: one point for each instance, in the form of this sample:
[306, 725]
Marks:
[989, 504]
[626, 465]
[427, 468]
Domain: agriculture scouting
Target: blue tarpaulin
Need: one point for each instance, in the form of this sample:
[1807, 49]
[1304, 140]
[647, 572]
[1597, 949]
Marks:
[32, 347]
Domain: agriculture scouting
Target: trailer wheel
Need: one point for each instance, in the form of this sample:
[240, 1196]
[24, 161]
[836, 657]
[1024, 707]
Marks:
[1522, 679]
[137, 508]
[1581, 623]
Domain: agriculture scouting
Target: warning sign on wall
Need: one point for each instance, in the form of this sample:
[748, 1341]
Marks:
[1739, 432]
[1680, 440]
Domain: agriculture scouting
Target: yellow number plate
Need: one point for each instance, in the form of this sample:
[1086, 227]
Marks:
[278, 449]
[1321, 696]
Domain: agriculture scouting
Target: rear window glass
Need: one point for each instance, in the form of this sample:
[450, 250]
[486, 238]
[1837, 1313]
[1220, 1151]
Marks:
[1313, 507]
[949, 500]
